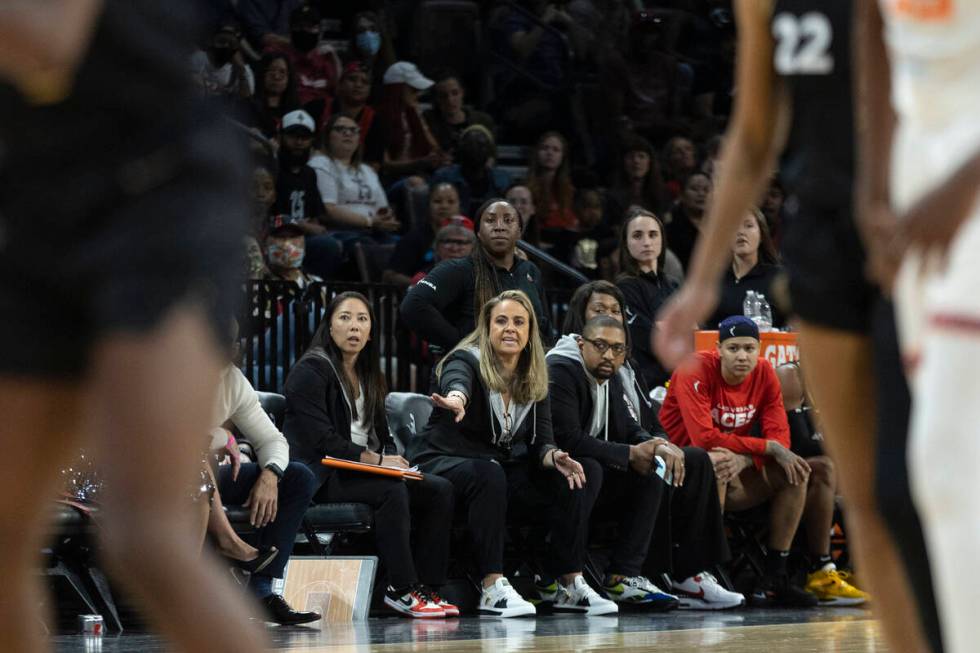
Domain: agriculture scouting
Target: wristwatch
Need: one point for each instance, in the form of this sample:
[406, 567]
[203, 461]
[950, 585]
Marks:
[274, 468]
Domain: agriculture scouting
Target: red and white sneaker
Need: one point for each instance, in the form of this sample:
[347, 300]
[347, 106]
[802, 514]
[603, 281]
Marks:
[415, 603]
[704, 592]
[447, 607]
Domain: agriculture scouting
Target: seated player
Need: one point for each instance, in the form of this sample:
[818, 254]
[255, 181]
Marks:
[823, 580]
[714, 401]
[593, 422]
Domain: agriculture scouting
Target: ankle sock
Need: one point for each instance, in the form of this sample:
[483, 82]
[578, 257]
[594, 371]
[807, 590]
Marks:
[820, 562]
[776, 562]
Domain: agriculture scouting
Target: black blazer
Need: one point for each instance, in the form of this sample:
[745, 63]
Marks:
[318, 418]
[571, 415]
[474, 436]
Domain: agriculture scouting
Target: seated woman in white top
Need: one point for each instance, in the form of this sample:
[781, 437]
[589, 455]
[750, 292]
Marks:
[352, 194]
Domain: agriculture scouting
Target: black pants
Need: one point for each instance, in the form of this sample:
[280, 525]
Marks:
[689, 536]
[428, 504]
[491, 491]
[892, 482]
[295, 491]
[633, 501]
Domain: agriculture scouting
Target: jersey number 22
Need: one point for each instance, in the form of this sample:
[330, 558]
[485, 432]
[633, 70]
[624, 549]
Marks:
[803, 44]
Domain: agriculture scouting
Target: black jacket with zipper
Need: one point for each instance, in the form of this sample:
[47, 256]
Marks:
[477, 435]
[318, 415]
[572, 406]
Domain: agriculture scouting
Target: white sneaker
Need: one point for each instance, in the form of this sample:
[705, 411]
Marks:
[582, 599]
[703, 592]
[502, 600]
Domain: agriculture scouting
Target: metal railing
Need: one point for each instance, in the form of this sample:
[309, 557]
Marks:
[279, 320]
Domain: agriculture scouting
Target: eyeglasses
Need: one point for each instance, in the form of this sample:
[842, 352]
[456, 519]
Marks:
[601, 346]
[459, 242]
[347, 131]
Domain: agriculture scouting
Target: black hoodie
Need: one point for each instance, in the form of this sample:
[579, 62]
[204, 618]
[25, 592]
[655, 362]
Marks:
[318, 415]
[572, 392]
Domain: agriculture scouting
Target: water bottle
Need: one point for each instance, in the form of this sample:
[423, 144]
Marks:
[750, 305]
[764, 318]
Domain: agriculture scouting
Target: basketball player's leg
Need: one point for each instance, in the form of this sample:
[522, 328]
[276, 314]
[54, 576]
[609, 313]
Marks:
[837, 366]
[152, 399]
[944, 448]
[37, 438]
[754, 487]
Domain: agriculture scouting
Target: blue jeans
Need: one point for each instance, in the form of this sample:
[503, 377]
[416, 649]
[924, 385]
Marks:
[295, 493]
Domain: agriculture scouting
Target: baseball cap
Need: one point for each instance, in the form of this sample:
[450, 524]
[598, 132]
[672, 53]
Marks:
[297, 120]
[356, 67]
[284, 225]
[405, 72]
[737, 326]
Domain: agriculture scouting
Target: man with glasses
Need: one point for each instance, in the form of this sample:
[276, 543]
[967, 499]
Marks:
[628, 467]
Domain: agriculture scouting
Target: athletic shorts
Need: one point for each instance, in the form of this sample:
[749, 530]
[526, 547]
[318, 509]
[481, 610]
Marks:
[69, 280]
[825, 262]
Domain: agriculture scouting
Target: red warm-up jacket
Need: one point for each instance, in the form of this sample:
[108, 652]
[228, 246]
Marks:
[702, 410]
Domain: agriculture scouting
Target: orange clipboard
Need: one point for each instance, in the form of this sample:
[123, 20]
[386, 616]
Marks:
[368, 468]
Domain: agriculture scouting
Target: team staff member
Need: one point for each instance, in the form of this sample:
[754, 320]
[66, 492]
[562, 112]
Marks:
[490, 435]
[714, 401]
[442, 307]
[335, 407]
[593, 421]
[694, 512]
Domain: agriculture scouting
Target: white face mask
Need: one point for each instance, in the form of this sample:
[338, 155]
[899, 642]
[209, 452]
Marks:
[286, 255]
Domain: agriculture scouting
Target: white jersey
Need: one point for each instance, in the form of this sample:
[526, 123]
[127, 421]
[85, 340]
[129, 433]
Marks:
[934, 46]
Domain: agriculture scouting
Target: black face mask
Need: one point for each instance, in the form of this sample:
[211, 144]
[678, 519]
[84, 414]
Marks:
[222, 56]
[305, 41]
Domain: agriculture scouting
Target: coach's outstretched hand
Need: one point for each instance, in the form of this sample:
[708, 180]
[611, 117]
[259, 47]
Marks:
[454, 402]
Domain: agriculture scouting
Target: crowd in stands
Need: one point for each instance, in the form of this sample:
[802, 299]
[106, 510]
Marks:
[615, 111]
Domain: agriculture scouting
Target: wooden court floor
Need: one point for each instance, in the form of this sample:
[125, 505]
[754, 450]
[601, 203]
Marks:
[745, 631]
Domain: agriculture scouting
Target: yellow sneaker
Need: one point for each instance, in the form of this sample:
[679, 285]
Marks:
[831, 588]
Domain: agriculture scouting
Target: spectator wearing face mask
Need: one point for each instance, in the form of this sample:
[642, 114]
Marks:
[220, 69]
[285, 249]
[474, 174]
[450, 116]
[371, 45]
[316, 67]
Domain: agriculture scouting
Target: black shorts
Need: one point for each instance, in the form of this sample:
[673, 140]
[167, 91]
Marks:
[825, 261]
[69, 279]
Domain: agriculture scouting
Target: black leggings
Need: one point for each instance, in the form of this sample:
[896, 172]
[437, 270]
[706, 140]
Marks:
[428, 504]
[489, 491]
[892, 482]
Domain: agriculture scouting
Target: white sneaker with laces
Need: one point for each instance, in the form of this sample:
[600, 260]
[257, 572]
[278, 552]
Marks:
[704, 592]
[502, 600]
[582, 599]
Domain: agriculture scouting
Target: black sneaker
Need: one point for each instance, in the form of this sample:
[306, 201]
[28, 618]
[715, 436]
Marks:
[778, 591]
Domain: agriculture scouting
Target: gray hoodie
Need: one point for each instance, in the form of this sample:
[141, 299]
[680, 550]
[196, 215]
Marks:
[567, 347]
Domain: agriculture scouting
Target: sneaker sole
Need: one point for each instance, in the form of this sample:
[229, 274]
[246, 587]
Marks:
[591, 610]
[401, 609]
[842, 602]
[698, 604]
[507, 613]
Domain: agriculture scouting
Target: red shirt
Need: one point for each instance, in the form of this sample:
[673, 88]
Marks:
[316, 73]
[702, 410]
